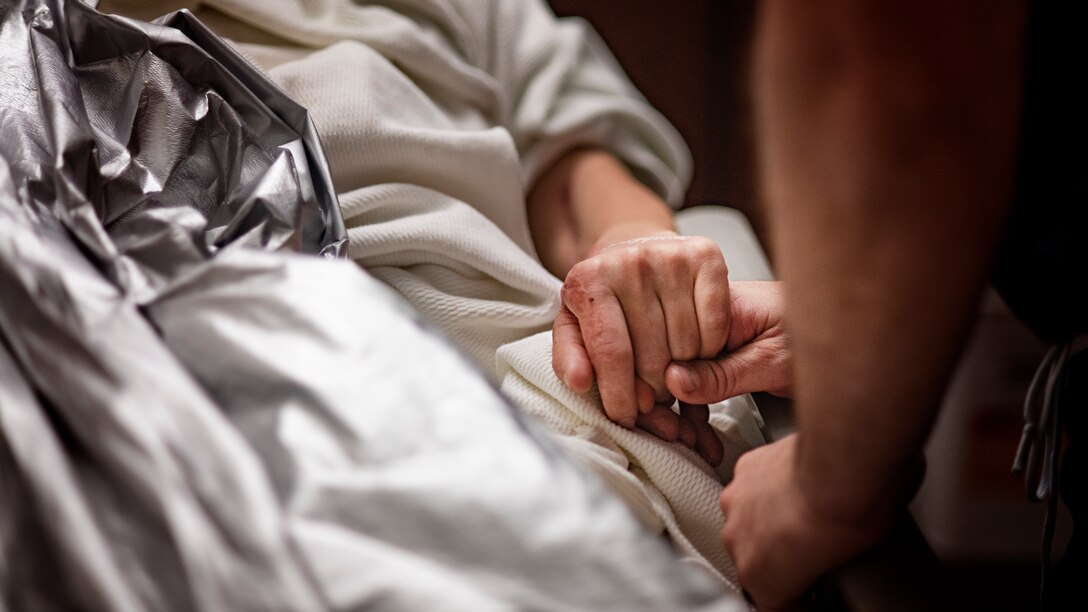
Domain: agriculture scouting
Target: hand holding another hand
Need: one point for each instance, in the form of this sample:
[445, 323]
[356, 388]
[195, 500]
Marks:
[629, 310]
[757, 354]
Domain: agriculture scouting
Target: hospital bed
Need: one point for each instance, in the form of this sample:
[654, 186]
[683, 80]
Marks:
[192, 418]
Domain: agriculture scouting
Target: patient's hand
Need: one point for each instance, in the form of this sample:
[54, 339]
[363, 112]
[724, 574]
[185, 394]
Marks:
[628, 311]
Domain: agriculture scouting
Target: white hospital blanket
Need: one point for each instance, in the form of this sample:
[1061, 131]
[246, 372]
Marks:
[436, 117]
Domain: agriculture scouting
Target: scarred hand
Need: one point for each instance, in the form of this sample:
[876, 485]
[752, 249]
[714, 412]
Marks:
[628, 311]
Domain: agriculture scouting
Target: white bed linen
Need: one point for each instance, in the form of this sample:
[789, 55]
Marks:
[436, 117]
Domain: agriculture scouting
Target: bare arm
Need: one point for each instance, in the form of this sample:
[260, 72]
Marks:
[887, 135]
[586, 201]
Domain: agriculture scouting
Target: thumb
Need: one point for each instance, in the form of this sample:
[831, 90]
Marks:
[750, 369]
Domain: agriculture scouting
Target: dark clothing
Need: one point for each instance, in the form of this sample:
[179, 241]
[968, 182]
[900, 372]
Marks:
[1042, 261]
[1041, 266]
[1066, 585]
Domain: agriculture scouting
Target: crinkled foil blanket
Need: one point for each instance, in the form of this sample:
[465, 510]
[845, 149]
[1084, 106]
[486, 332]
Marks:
[202, 409]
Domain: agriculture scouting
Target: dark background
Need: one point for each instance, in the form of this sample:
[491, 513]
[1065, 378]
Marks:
[690, 60]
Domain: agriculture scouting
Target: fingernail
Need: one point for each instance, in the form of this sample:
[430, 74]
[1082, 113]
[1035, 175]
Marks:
[686, 377]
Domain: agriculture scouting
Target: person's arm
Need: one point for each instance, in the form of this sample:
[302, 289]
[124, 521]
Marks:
[636, 295]
[887, 135]
[602, 163]
[586, 201]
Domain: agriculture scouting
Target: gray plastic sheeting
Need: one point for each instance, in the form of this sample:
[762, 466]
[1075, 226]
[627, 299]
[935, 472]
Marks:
[194, 418]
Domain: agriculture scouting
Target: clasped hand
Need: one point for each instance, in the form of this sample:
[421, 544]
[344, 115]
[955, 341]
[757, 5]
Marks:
[649, 318]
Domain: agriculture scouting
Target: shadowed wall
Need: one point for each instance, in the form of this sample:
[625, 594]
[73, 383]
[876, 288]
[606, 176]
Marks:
[690, 60]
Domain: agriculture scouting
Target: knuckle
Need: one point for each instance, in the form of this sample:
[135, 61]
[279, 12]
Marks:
[715, 270]
[675, 257]
[573, 288]
[685, 348]
[585, 271]
[607, 346]
[578, 295]
[704, 248]
[643, 264]
[577, 272]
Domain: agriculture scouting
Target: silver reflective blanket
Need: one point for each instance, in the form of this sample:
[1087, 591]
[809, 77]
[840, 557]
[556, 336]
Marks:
[200, 409]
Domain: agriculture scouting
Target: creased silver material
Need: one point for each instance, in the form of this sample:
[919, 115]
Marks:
[113, 459]
[150, 123]
[193, 419]
[131, 154]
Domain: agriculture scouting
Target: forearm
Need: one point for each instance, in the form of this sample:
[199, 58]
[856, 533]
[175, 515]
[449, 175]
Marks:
[887, 158]
[587, 200]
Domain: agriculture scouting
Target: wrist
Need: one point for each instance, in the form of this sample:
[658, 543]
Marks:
[625, 232]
